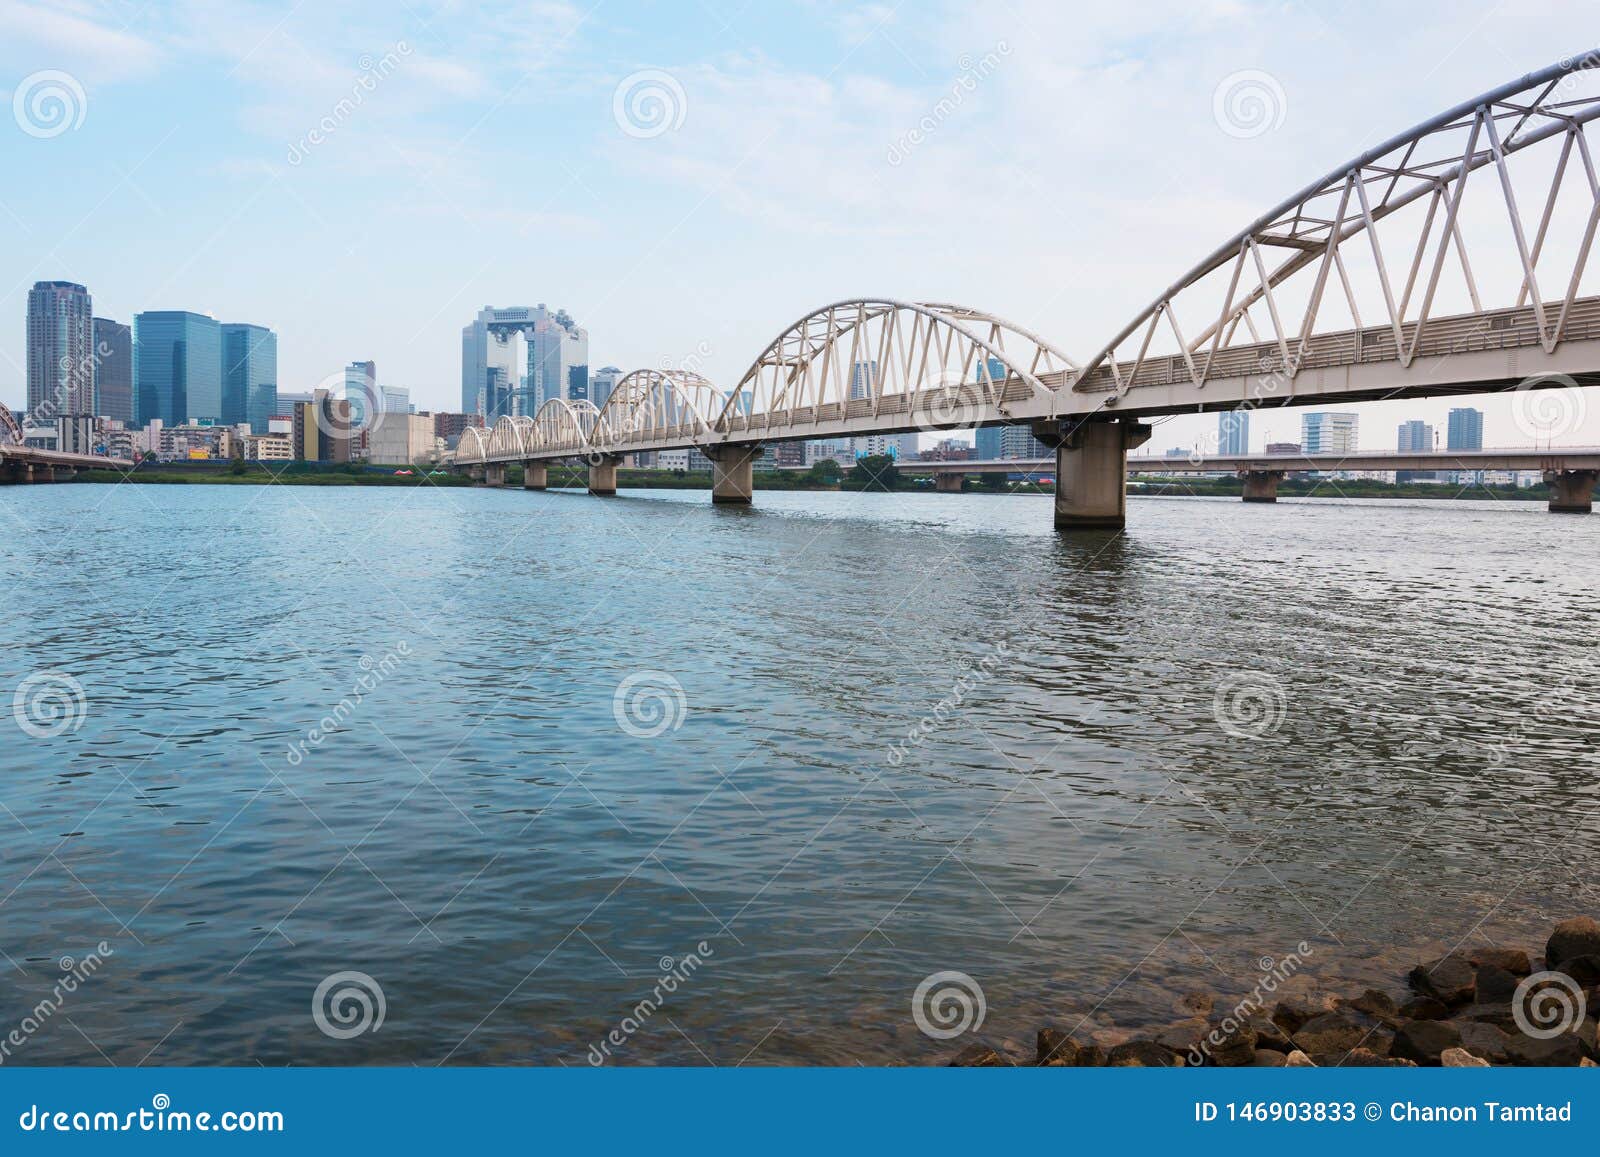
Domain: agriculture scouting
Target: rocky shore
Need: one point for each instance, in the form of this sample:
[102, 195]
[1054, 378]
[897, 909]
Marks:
[1485, 1006]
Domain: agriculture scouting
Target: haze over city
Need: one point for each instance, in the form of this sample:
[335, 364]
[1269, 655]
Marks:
[363, 179]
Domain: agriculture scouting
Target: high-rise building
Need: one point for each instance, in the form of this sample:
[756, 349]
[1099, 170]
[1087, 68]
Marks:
[1019, 442]
[249, 375]
[395, 399]
[361, 393]
[601, 383]
[177, 367]
[556, 361]
[1233, 432]
[1415, 437]
[987, 442]
[1465, 430]
[113, 370]
[1324, 433]
[60, 350]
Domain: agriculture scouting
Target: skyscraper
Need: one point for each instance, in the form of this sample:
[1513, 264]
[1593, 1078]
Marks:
[558, 362]
[361, 393]
[1465, 431]
[987, 442]
[1233, 432]
[1415, 437]
[249, 375]
[1323, 433]
[60, 350]
[601, 383]
[177, 367]
[113, 370]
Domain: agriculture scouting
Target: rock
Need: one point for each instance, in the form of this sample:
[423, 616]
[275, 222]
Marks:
[1143, 1054]
[1110, 1038]
[1584, 969]
[1485, 1040]
[1056, 1046]
[1360, 1059]
[1424, 1041]
[1091, 1057]
[1375, 1004]
[1423, 1008]
[1449, 980]
[1586, 1063]
[1299, 1060]
[977, 1056]
[1229, 1044]
[1269, 1059]
[1461, 1059]
[1270, 1036]
[1512, 960]
[1498, 1015]
[1556, 1052]
[1291, 1015]
[1579, 936]
[1495, 985]
[1194, 1004]
[1185, 1036]
[1335, 1032]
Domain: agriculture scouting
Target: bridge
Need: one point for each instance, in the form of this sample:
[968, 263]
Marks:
[1361, 286]
[1570, 473]
[23, 463]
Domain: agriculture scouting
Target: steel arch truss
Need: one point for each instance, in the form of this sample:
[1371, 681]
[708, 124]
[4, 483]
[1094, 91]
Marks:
[894, 361]
[1480, 219]
[658, 405]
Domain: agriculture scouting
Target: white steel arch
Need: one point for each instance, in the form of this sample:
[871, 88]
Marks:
[649, 404]
[926, 366]
[1373, 262]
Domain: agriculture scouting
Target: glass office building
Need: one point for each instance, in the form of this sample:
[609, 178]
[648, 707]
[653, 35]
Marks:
[249, 375]
[177, 367]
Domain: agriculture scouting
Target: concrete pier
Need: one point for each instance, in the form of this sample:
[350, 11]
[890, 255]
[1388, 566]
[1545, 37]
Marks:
[1571, 491]
[1092, 470]
[949, 483]
[1261, 485]
[733, 473]
[535, 476]
[603, 474]
[494, 474]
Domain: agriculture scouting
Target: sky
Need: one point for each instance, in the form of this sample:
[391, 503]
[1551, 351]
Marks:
[688, 179]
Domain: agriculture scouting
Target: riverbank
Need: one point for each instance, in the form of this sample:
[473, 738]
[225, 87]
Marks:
[1480, 1007]
[575, 477]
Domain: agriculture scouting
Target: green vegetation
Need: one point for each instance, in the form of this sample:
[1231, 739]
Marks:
[240, 473]
[1334, 488]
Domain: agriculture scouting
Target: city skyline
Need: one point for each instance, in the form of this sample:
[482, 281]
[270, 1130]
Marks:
[622, 224]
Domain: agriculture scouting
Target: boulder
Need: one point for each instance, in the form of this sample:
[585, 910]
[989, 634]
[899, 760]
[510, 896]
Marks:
[1360, 1059]
[1484, 1040]
[1449, 980]
[1291, 1015]
[1461, 1059]
[1269, 1059]
[1555, 1052]
[1299, 1060]
[1586, 1063]
[1335, 1032]
[1375, 1004]
[1229, 1044]
[1424, 1041]
[1055, 1045]
[1499, 1015]
[1584, 969]
[1579, 936]
[1091, 1056]
[1513, 960]
[1423, 1008]
[1495, 985]
[1185, 1036]
[1270, 1036]
[977, 1056]
[1143, 1054]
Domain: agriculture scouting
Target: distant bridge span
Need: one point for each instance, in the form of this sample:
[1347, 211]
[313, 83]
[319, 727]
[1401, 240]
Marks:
[23, 463]
[1361, 286]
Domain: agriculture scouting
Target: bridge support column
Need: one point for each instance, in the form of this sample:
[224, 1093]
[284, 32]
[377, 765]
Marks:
[494, 474]
[1092, 470]
[1571, 491]
[535, 476]
[949, 482]
[733, 480]
[1261, 485]
[603, 474]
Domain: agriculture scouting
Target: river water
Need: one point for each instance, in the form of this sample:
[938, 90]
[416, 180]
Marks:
[324, 732]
